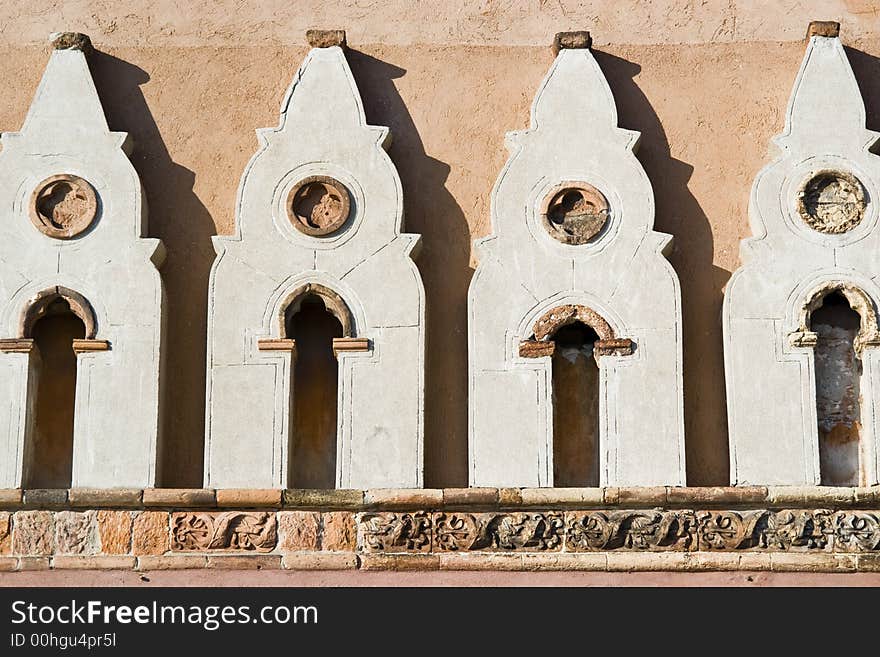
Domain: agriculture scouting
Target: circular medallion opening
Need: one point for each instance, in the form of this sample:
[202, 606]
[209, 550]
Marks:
[832, 202]
[574, 213]
[318, 205]
[63, 206]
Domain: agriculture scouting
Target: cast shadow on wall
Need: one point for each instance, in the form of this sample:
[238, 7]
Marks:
[183, 223]
[679, 214]
[866, 68]
[444, 263]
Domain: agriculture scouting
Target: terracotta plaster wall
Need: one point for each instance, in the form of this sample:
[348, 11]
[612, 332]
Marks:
[705, 83]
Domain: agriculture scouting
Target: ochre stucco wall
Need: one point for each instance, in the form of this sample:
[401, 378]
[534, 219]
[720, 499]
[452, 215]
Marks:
[705, 83]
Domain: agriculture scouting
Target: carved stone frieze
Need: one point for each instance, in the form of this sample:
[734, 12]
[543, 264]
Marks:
[630, 530]
[856, 531]
[498, 531]
[231, 530]
[394, 532]
[763, 529]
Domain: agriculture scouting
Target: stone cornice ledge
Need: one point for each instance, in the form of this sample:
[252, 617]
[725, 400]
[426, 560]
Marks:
[446, 498]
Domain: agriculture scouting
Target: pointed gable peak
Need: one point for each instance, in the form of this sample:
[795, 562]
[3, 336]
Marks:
[66, 97]
[826, 102]
[575, 90]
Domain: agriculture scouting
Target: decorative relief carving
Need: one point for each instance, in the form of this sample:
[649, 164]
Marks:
[395, 532]
[831, 202]
[232, 530]
[574, 213]
[318, 205]
[63, 206]
[776, 530]
[493, 531]
[631, 530]
[856, 531]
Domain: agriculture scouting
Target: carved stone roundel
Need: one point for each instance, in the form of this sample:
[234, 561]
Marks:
[63, 206]
[832, 202]
[574, 213]
[318, 205]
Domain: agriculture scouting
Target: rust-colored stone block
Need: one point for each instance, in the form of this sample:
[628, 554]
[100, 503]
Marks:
[810, 496]
[8, 564]
[71, 41]
[400, 562]
[5, 533]
[508, 497]
[646, 561]
[114, 498]
[181, 498]
[319, 561]
[245, 562]
[339, 532]
[470, 496]
[321, 498]
[93, 563]
[33, 533]
[823, 29]
[172, 562]
[536, 348]
[404, 498]
[10, 498]
[114, 531]
[712, 496]
[76, 533]
[576, 40]
[45, 498]
[641, 496]
[298, 530]
[150, 533]
[249, 498]
[611, 496]
[326, 38]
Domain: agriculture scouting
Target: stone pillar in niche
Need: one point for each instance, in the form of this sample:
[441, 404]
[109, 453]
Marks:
[813, 217]
[319, 214]
[73, 228]
[572, 241]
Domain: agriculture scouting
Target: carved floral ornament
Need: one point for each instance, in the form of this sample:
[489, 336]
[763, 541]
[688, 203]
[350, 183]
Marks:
[553, 320]
[574, 212]
[831, 202]
[868, 335]
[318, 205]
[63, 206]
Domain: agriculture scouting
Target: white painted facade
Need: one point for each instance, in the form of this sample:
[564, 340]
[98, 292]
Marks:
[111, 265]
[788, 266]
[621, 274]
[367, 262]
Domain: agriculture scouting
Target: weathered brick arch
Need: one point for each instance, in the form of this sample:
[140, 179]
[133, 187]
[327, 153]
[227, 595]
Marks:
[546, 326]
[333, 302]
[40, 303]
[859, 301]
